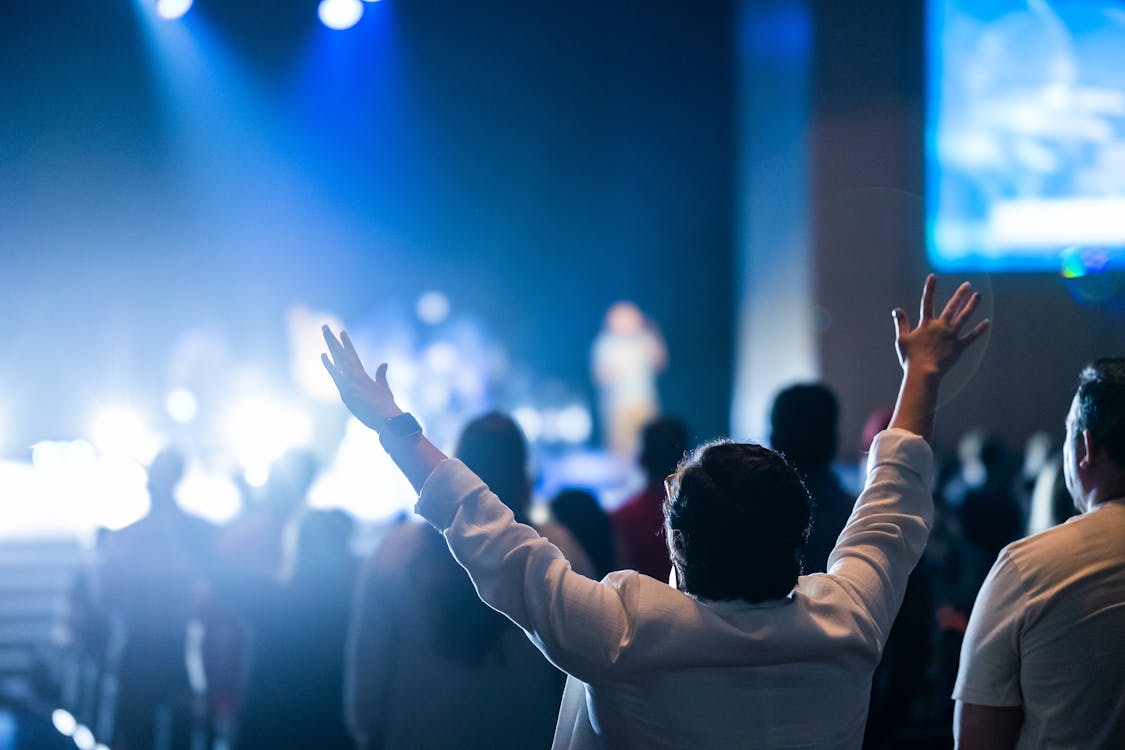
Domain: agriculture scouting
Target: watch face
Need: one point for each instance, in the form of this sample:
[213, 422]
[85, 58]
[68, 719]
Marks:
[404, 425]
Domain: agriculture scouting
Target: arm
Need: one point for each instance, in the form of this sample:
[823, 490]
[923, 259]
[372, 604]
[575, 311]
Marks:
[989, 708]
[578, 623]
[977, 727]
[887, 531]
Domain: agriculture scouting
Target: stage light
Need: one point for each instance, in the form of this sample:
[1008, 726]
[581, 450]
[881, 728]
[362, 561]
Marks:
[64, 721]
[172, 9]
[340, 14]
[83, 738]
[182, 406]
[432, 308]
[574, 424]
[207, 495]
[120, 431]
[261, 430]
[529, 421]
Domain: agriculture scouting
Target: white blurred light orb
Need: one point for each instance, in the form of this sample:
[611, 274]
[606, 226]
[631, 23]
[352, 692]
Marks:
[529, 421]
[172, 9]
[212, 496]
[432, 308]
[83, 738]
[260, 430]
[64, 721]
[182, 405]
[340, 14]
[119, 431]
[574, 424]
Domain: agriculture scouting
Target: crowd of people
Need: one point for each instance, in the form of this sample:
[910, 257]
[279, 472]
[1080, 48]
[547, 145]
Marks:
[744, 597]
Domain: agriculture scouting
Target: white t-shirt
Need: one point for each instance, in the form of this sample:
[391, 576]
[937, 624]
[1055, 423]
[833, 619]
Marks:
[654, 668]
[1048, 633]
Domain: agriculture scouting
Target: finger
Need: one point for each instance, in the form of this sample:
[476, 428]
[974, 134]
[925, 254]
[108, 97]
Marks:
[956, 302]
[975, 334]
[902, 322]
[335, 348]
[381, 374]
[966, 312]
[348, 344]
[332, 371]
[927, 309]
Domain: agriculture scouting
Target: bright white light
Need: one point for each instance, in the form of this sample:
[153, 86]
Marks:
[100, 746]
[362, 479]
[529, 421]
[83, 738]
[432, 308]
[64, 722]
[340, 14]
[574, 424]
[182, 405]
[172, 9]
[118, 431]
[442, 357]
[1058, 222]
[209, 495]
[306, 342]
[261, 430]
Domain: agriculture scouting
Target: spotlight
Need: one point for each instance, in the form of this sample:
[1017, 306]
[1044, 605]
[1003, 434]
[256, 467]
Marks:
[64, 721]
[261, 430]
[340, 14]
[182, 405]
[83, 738]
[172, 9]
[432, 308]
[121, 432]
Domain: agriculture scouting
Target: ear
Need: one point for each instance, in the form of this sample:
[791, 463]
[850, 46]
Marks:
[1087, 446]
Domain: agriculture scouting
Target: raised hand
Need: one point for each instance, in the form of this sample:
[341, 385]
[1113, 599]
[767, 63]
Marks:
[936, 344]
[369, 399]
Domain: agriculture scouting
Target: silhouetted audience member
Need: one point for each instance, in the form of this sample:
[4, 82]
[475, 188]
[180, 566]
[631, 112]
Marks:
[430, 665]
[1043, 663]
[990, 511]
[582, 515]
[295, 693]
[152, 578]
[639, 522]
[803, 427]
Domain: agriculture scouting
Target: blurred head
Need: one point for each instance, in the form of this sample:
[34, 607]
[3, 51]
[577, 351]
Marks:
[664, 441]
[736, 518]
[322, 550]
[580, 512]
[625, 318]
[803, 425]
[494, 448]
[1094, 451]
[164, 473]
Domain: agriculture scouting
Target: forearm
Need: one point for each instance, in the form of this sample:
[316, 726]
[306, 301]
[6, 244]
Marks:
[416, 458]
[917, 401]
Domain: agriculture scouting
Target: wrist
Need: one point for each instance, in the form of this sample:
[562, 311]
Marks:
[383, 421]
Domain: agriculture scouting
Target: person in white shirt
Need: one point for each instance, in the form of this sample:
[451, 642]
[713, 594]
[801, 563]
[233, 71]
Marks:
[1043, 661]
[744, 652]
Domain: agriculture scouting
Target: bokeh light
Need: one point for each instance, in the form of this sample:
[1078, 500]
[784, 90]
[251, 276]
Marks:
[172, 9]
[340, 14]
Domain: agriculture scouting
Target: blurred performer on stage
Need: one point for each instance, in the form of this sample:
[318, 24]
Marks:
[628, 354]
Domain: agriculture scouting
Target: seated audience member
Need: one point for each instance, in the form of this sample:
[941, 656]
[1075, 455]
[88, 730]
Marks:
[803, 422]
[583, 517]
[429, 664]
[1043, 663]
[639, 522]
[744, 652]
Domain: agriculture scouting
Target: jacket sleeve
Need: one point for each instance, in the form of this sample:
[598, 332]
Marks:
[887, 531]
[579, 624]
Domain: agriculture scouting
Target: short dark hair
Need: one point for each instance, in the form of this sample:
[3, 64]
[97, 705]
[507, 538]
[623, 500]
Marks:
[1101, 406]
[737, 518]
[803, 425]
[663, 443]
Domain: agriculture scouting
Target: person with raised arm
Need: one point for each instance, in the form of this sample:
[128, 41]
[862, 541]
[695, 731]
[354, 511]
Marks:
[744, 651]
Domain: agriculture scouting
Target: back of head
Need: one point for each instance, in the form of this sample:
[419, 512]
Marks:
[580, 513]
[1100, 403]
[737, 517]
[493, 446]
[664, 441]
[803, 425]
[322, 552]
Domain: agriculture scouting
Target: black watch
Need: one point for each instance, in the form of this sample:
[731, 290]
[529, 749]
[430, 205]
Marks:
[399, 429]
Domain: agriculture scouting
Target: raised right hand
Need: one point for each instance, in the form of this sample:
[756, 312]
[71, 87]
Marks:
[935, 345]
[369, 399]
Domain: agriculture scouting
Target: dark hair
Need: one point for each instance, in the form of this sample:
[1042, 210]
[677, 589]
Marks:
[465, 629]
[1101, 406]
[737, 517]
[803, 422]
[663, 443]
[580, 513]
[494, 447]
